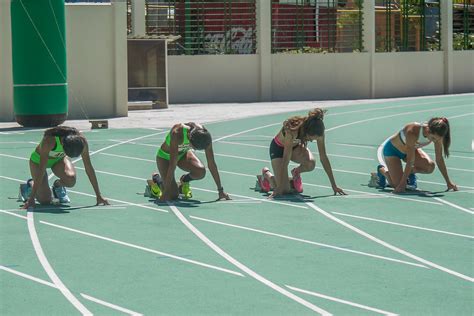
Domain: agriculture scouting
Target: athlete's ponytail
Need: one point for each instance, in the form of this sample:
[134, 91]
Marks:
[440, 126]
[313, 124]
[73, 142]
[61, 131]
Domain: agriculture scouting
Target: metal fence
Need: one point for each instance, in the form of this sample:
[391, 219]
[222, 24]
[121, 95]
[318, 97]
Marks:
[407, 25]
[204, 27]
[463, 24]
[315, 26]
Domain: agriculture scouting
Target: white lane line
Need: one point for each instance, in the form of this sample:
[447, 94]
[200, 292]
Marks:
[128, 157]
[128, 244]
[365, 174]
[403, 225]
[454, 205]
[142, 248]
[29, 277]
[266, 147]
[39, 250]
[246, 131]
[308, 242]
[331, 298]
[93, 299]
[194, 188]
[269, 200]
[378, 108]
[387, 245]
[135, 143]
[110, 199]
[459, 169]
[357, 146]
[13, 214]
[243, 267]
[460, 115]
[381, 195]
[255, 199]
[49, 269]
[398, 114]
[243, 144]
[110, 305]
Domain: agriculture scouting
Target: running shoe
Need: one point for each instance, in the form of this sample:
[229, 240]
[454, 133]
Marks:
[382, 181]
[185, 189]
[25, 190]
[263, 182]
[155, 191]
[412, 182]
[61, 194]
[297, 181]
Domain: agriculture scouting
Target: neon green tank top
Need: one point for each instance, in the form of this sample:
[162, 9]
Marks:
[58, 150]
[185, 145]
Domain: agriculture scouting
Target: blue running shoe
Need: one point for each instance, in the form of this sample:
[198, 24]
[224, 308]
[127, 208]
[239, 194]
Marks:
[382, 181]
[411, 182]
[61, 194]
[25, 190]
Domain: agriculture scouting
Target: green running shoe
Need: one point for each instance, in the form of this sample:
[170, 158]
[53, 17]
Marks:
[185, 189]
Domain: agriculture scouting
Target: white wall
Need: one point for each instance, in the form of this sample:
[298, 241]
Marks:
[463, 71]
[96, 39]
[213, 78]
[408, 74]
[96, 46]
[6, 76]
[320, 76]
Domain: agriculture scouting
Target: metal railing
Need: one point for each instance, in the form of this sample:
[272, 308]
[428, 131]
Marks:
[317, 26]
[463, 24]
[407, 25]
[204, 27]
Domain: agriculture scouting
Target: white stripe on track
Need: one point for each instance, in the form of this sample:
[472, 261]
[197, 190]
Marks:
[331, 298]
[242, 267]
[308, 242]
[387, 245]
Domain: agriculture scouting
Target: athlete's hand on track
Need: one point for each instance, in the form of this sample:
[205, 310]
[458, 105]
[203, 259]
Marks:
[223, 196]
[29, 204]
[399, 189]
[452, 186]
[339, 191]
[102, 201]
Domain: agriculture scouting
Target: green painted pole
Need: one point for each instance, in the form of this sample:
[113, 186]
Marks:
[39, 62]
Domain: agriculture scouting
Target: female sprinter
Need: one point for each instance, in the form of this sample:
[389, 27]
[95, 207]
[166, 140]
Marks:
[177, 150]
[58, 145]
[407, 145]
[291, 144]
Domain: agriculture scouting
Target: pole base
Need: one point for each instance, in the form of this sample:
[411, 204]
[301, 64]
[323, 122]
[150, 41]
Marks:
[47, 120]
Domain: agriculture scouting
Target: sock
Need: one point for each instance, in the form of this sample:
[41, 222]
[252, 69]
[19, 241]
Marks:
[186, 178]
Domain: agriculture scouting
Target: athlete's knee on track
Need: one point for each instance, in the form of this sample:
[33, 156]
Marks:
[199, 173]
[310, 164]
[69, 180]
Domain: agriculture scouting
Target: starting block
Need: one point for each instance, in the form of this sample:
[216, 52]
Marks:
[99, 124]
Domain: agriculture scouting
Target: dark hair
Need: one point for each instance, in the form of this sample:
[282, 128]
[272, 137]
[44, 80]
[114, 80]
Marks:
[314, 125]
[310, 125]
[200, 138]
[440, 126]
[72, 140]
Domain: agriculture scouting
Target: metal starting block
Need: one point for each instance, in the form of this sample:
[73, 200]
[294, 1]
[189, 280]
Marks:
[99, 124]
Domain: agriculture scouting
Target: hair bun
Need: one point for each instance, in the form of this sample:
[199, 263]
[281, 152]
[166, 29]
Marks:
[317, 113]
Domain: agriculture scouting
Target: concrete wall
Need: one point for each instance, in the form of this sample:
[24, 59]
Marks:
[213, 78]
[463, 71]
[96, 42]
[408, 74]
[6, 77]
[320, 76]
